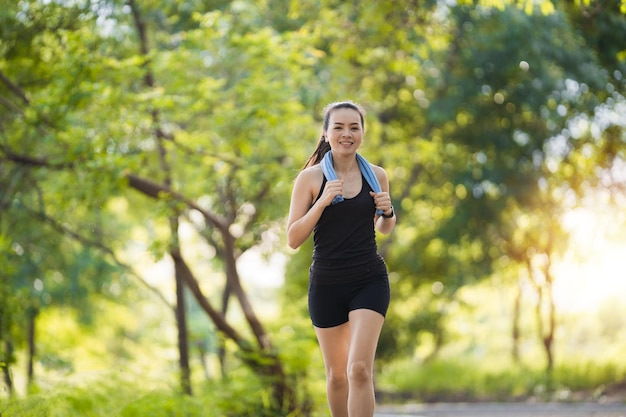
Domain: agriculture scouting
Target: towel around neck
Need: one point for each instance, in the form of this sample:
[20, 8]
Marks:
[366, 170]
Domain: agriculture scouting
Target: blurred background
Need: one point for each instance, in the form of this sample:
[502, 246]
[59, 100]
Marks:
[147, 154]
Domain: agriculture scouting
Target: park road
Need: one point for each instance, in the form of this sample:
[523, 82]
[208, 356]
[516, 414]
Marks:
[503, 410]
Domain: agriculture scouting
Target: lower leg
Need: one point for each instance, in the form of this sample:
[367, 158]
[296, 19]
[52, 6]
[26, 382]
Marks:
[335, 342]
[365, 328]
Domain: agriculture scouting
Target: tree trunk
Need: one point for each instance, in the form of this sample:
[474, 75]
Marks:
[517, 305]
[221, 353]
[232, 275]
[548, 337]
[202, 355]
[183, 335]
[6, 367]
[283, 392]
[546, 326]
[32, 321]
[264, 362]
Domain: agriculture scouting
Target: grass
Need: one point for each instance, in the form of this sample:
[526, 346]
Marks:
[455, 380]
[475, 364]
[241, 396]
[76, 377]
[114, 397]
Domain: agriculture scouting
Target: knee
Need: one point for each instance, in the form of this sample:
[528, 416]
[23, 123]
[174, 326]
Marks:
[337, 380]
[360, 373]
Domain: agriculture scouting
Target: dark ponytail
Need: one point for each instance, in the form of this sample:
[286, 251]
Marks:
[323, 146]
[319, 152]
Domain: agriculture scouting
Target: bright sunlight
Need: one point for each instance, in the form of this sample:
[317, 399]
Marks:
[592, 272]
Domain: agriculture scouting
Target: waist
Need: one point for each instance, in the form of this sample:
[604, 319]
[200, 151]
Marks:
[347, 269]
[345, 261]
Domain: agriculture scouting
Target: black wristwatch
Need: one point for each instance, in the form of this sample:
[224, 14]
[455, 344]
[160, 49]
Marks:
[390, 215]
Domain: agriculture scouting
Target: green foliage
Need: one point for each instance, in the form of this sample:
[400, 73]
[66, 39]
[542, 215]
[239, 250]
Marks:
[490, 121]
[117, 395]
[460, 380]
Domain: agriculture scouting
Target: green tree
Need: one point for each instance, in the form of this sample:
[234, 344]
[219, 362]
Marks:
[468, 105]
[200, 113]
[175, 110]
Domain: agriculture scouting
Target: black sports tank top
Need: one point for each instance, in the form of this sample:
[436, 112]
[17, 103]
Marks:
[344, 234]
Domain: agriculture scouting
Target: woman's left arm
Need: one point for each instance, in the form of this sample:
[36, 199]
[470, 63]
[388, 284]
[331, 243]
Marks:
[384, 223]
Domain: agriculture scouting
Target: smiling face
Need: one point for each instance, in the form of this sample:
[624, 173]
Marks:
[345, 131]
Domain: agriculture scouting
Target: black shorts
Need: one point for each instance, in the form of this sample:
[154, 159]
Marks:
[330, 304]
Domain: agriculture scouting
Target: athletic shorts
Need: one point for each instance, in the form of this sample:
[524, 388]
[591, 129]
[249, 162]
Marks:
[330, 304]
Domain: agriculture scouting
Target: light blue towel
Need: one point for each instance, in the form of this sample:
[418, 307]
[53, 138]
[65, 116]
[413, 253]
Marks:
[366, 170]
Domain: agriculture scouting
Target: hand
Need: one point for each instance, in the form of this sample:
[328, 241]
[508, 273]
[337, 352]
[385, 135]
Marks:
[382, 201]
[331, 190]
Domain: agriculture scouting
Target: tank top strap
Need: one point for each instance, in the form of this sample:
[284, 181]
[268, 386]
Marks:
[319, 195]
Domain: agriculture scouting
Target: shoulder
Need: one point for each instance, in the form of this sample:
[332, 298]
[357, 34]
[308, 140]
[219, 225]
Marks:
[310, 177]
[381, 175]
[308, 184]
[380, 172]
[313, 172]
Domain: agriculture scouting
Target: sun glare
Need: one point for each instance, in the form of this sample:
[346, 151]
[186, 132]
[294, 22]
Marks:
[592, 271]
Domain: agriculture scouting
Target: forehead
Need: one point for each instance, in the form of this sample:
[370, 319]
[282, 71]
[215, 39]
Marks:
[345, 116]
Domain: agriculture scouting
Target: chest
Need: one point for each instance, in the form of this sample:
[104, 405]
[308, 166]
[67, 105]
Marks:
[352, 184]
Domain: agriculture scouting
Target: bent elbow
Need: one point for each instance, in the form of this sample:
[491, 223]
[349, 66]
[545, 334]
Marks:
[296, 236]
[293, 244]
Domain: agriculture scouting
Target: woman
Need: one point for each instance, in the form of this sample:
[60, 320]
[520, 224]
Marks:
[348, 282]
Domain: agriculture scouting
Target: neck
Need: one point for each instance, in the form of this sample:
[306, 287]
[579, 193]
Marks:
[345, 164]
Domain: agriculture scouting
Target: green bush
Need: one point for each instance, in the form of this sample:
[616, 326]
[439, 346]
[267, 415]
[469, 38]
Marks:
[112, 397]
[454, 380]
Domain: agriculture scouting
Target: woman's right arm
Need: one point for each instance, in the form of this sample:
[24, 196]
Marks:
[304, 213]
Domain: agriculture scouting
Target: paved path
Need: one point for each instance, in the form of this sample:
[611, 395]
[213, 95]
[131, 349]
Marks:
[503, 410]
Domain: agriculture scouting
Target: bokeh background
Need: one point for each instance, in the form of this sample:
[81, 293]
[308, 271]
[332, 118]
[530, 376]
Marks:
[147, 154]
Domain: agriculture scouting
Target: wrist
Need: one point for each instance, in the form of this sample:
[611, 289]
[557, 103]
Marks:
[390, 214]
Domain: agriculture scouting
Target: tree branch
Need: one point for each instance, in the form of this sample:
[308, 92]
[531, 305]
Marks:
[33, 161]
[192, 283]
[66, 231]
[143, 39]
[145, 186]
[157, 191]
[15, 89]
[9, 105]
